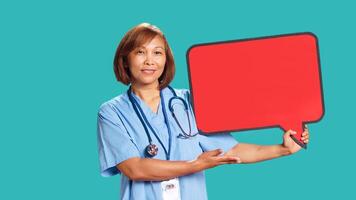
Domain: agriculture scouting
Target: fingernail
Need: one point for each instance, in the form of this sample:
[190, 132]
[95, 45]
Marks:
[238, 160]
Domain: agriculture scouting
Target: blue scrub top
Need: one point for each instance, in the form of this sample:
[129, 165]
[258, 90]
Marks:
[121, 136]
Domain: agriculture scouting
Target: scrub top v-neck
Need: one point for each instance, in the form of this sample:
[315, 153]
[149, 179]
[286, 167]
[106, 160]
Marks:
[121, 136]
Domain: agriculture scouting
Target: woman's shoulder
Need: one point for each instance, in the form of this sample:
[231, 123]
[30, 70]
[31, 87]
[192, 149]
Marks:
[113, 104]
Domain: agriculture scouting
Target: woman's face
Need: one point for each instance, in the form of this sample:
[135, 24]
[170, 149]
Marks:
[146, 63]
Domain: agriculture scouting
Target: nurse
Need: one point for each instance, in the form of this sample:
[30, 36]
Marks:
[139, 138]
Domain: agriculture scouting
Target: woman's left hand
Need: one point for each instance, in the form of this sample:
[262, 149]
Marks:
[289, 143]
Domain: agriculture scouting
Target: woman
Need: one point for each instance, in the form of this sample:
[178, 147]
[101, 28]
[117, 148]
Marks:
[160, 155]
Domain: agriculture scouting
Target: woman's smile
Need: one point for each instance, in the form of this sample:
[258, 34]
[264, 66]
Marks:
[148, 71]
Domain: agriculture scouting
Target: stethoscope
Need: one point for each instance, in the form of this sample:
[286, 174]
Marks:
[151, 150]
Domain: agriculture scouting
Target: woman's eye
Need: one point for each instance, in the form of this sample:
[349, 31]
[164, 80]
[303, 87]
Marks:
[158, 53]
[140, 52]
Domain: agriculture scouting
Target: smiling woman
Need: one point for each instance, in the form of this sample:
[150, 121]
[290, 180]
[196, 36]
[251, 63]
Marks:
[147, 62]
[144, 48]
[162, 156]
[146, 66]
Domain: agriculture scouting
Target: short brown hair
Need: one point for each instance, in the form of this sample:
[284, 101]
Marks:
[134, 38]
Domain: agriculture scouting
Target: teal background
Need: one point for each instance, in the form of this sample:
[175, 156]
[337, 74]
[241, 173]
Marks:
[56, 70]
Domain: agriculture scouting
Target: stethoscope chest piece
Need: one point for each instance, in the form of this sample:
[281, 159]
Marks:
[151, 150]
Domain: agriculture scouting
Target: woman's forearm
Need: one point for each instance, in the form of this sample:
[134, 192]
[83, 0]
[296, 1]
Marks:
[147, 169]
[143, 169]
[155, 169]
[251, 153]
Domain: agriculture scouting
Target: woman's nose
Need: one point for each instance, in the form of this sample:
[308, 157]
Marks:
[149, 59]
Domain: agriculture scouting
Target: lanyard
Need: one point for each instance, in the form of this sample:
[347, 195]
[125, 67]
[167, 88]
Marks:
[141, 115]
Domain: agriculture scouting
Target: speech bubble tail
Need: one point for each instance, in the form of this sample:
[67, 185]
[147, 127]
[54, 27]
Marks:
[299, 128]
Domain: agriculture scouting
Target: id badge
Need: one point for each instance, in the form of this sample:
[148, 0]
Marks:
[170, 189]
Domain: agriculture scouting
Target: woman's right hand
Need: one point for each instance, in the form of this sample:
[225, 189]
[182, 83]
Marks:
[214, 158]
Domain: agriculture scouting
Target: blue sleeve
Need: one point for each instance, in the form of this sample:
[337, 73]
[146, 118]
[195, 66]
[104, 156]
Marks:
[114, 143]
[224, 141]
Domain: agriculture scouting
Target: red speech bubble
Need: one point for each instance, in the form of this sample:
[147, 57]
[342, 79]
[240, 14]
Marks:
[256, 83]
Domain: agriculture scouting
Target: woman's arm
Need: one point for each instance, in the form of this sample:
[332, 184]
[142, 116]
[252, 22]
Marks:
[147, 169]
[251, 153]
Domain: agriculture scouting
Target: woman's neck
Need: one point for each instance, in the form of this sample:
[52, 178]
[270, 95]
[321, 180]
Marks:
[148, 93]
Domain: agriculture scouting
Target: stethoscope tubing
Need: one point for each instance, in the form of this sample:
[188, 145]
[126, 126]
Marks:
[142, 117]
[144, 121]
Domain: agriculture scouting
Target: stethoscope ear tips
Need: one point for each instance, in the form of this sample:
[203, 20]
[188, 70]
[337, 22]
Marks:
[185, 136]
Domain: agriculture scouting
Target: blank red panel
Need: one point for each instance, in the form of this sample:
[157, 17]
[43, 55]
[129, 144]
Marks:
[255, 83]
